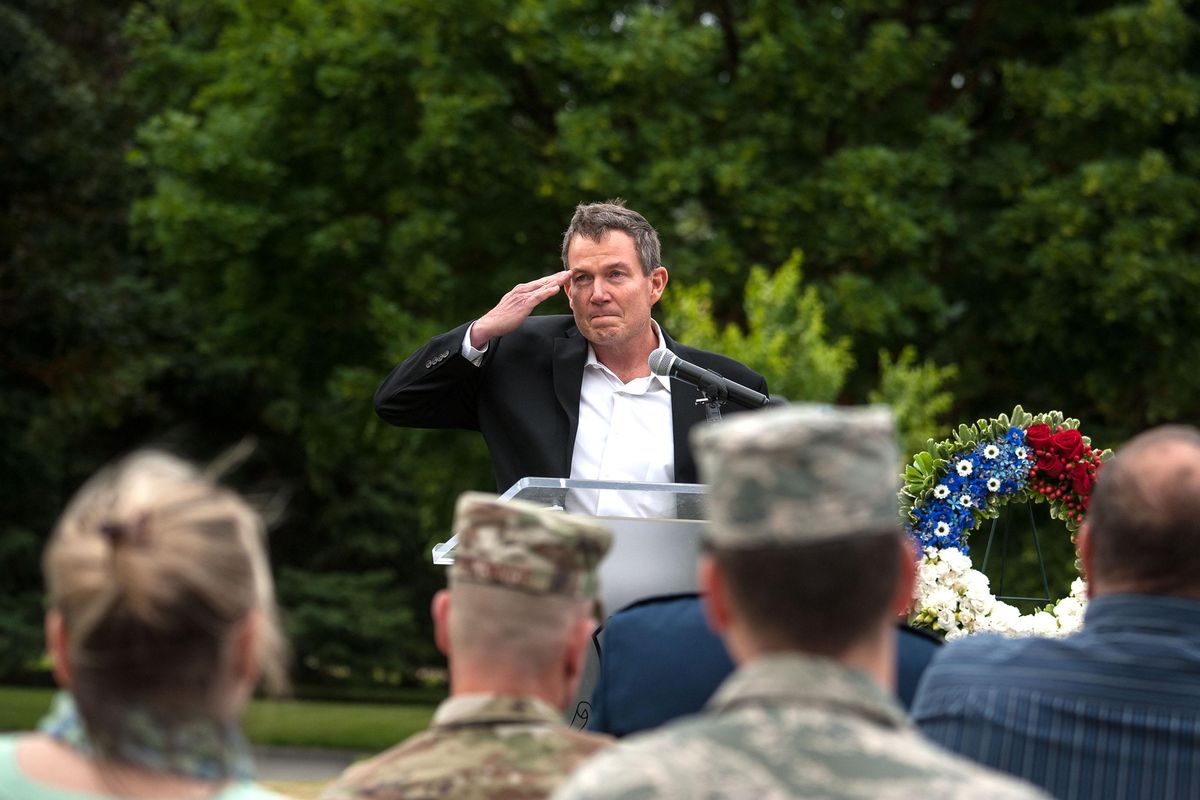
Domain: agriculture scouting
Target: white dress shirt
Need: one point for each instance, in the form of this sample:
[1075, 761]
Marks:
[624, 434]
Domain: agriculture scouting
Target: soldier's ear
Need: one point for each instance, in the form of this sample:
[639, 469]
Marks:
[906, 567]
[714, 594]
[577, 645]
[440, 610]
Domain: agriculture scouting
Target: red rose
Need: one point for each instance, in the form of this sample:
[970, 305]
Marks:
[1051, 466]
[1069, 444]
[1038, 436]
[1081, 482]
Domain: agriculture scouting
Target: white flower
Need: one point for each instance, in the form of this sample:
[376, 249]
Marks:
[993, 484]
[1070, 625]
[955, 558]
[991, 451]
[1020, 451]
[977, 583]
[941, 491]
[1044, 624]
[1079, 590]
[1068, 609]
[927, 578]
[1004, 618]
[964, 467]
[964, 500]
[957, 599]
[941, 599]
[942, 529]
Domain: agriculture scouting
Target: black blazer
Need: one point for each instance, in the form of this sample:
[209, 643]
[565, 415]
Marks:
[524, 396]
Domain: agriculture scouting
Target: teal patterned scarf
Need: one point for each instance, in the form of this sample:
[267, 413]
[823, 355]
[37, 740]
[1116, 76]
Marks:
[202, 749]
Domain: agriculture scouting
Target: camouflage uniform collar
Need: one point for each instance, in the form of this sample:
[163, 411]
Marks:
[476, 709]
[798, 679]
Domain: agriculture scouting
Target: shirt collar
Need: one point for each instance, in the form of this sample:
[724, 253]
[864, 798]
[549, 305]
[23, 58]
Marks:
[468, 709]
[796, 678]
[594, 363]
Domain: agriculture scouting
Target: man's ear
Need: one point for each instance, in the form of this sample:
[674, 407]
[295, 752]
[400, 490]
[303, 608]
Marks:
[906, 567]
[57, 647]
[658, 282]
[714, 594]
[440, 609]
[1083, 544]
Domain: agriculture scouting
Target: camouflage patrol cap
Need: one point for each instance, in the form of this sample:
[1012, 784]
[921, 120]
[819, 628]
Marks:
[524, 547]
[799, 475]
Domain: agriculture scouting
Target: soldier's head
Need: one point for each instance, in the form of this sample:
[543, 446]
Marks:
[519, 611]
[804, 550]
[1142, 532]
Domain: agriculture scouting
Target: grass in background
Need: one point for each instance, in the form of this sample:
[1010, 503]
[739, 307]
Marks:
[295, 723]
[348, 726]
[20, 709]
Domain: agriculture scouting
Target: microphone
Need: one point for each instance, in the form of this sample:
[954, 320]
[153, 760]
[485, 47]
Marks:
[664, 362]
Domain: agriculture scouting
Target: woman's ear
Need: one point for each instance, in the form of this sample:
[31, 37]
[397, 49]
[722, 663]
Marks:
[246, 649]
[57, 647]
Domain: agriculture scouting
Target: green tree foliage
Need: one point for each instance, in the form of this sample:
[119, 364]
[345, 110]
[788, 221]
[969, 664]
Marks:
[919, 394]
[785, 334]
[786, 337]
[75, 307]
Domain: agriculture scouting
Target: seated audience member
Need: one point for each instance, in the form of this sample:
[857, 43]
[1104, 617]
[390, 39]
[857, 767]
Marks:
[1114, 710]
[805, 570]
[660, 660]
[161, 618]
[514, 625]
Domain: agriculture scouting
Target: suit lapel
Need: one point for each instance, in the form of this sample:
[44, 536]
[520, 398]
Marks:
[684, 414]
[570, 355]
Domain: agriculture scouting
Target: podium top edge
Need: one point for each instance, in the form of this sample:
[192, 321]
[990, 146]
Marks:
[581, 483]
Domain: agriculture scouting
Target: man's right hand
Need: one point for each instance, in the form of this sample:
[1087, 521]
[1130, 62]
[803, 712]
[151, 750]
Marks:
[515, 307]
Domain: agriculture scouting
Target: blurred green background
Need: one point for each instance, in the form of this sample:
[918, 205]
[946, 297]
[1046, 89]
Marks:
[230, 218]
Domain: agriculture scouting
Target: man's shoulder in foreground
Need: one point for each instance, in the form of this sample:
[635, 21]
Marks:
[509, 760]
[784, 751]
[1129, 644]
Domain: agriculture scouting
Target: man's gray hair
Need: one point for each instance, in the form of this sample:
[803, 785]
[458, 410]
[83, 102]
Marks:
[593, 220]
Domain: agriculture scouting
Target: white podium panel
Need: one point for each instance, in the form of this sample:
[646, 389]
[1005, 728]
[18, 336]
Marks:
[656, 532]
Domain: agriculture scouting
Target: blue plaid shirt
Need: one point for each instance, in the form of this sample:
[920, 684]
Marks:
[1113, 711]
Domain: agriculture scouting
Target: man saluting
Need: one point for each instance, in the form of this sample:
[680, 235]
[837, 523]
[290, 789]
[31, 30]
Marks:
[568, 396]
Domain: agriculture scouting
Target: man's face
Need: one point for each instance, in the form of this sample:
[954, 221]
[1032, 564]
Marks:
[608, 292]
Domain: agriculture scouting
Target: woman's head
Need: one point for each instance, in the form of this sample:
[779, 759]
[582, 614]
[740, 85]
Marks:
[160, 593]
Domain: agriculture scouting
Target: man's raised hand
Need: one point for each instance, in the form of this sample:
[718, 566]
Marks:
[515, 307]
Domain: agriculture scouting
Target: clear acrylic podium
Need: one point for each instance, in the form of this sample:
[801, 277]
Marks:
[656, 532]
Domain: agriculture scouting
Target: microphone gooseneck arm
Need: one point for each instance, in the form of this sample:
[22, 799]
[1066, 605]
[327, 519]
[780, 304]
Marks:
[715, 387]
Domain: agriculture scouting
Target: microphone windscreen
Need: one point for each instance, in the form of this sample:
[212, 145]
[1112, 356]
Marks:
[660, 361]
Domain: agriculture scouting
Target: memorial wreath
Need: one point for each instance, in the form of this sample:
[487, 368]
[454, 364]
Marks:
[952, 486]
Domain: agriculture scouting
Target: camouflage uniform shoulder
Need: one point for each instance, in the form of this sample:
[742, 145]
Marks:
[511, 760]
[763, 753]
